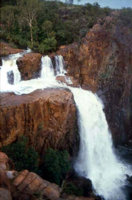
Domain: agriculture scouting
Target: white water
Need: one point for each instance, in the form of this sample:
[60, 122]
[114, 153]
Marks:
[47, 70]
[59, 63]
[96, 159]
[9, 65]
[59, 68]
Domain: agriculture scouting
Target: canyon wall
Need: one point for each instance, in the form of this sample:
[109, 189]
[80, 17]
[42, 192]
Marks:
[47, 118]
[103, 63]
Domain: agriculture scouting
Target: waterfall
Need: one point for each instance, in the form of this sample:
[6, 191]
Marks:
[47, 70]
[59, 68]
[59, 63]
[9, 66]
[96, 159]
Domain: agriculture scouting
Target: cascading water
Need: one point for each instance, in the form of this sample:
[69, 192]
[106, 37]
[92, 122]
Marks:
[47, 70]
[59, 68]
[59, 63]
[9, 65]
[96, 159]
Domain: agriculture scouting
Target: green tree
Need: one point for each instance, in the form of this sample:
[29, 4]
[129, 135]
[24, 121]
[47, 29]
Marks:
[47, 27]
[8, 19]
[24, 157]
[55, 165]
[49, 44]
[28, 14]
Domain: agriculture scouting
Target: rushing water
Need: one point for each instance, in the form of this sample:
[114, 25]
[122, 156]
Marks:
[59, 63]
[9, 66]
[47, 70]
[96, 159]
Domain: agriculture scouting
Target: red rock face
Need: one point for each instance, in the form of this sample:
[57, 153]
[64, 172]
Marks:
[103, 63]
[29, 65]
[47, 118]
[6, 49]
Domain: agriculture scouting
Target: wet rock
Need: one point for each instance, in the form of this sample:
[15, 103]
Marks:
[10, 76]
[29, 65]
[82, 183]
[0, 61]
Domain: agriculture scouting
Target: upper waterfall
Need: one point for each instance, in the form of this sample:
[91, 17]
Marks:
[9, 66]
[47, 70]
[59, 63]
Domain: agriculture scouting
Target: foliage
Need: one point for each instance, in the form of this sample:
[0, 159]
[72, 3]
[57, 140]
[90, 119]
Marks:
[48, 45]
[55, 165]
[45, 25]
[24, 157]
[126, 16]
[72, 189]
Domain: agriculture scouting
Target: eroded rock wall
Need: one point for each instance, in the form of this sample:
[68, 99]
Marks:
[47, 117]
[103, 63]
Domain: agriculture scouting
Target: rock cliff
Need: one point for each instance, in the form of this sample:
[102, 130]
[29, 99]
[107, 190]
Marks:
[47, 117]
[6, 49]
[27, 185]
[102, 62]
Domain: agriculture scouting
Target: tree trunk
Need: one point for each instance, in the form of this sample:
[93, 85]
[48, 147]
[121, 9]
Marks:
[31, 34]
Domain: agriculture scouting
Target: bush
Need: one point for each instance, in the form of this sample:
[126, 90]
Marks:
[55, 165]
[70, 188]
[24, 157]
[49, 44]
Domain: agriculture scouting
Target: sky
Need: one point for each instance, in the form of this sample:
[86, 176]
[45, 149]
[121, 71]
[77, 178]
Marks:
[109, 3]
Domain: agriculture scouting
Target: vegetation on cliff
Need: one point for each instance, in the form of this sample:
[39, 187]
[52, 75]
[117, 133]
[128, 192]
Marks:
[44, 26]
[54, 165]
[23, 156]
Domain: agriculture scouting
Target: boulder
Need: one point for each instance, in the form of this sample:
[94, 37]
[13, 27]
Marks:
[29, 65]
[27, 185]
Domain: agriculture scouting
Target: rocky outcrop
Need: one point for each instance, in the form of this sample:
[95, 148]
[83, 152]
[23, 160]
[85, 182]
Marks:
[24, 185]
[47, 117]
[103, 63]
[27, 185]
[6, 49]
[29, 65]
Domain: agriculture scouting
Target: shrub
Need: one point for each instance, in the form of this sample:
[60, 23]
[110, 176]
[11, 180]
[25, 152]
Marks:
[70, 188]
[49, 44]
[24, 157]
[55, 165]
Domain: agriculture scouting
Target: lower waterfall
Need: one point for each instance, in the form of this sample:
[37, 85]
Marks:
[96, 158]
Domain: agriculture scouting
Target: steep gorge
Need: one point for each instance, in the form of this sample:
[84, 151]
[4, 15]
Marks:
[103, 63]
